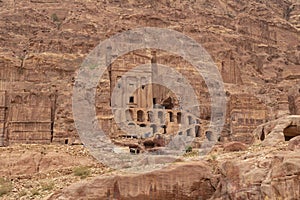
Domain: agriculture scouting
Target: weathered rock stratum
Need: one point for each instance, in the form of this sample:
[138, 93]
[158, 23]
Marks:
[255, 45]
[256, 173]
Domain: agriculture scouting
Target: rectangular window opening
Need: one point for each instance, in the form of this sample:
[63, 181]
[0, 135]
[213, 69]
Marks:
[154, 101]
[131, 99]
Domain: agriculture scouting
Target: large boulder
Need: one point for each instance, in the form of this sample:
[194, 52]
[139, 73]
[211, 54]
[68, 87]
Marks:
[192, 180]
[234, 146]
[294, 143]
[260, 175]
[32, 159]
[282, 129]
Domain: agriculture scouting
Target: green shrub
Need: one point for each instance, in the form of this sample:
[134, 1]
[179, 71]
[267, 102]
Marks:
[188, 149]
[213, 157]
[35, 192]
[22, 193]
[82, 171]
[5, 187]
[54, 17]
[191, 154]
[48, 186]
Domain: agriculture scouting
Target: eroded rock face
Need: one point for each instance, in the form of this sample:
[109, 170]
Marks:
[279, 130]
[273, 176]
[294, 143]
[255, 45]
[42, 44]
[267, 173]
[27, 161]
[234, 146]
[180, 181]
[284, 177]
[34, 171]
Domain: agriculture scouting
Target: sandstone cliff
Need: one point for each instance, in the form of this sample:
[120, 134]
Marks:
[255, 45]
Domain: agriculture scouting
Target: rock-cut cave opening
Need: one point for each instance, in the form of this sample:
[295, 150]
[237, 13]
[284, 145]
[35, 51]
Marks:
[291, 131]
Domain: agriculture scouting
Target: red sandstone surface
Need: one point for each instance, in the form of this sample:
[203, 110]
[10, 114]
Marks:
[256, 46]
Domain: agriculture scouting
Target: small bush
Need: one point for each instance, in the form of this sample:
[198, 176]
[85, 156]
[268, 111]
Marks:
[188, 149]
[5, 187]
[47, 186]
[22, 193]
[191, 154]
[213, 157]
[35, 192]
[54, 17]
[83, 172]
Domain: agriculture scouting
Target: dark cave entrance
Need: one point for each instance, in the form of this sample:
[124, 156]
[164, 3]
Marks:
[291, 131]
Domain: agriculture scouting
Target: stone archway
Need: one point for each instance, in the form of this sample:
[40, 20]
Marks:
[198, 131]
[140, 116]
[150, 116]
[189, 132]
[179, 117]
[190, 120]
[129, 115]
[171, 117]
[168, 103]
[161, 117]
[154, 128]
